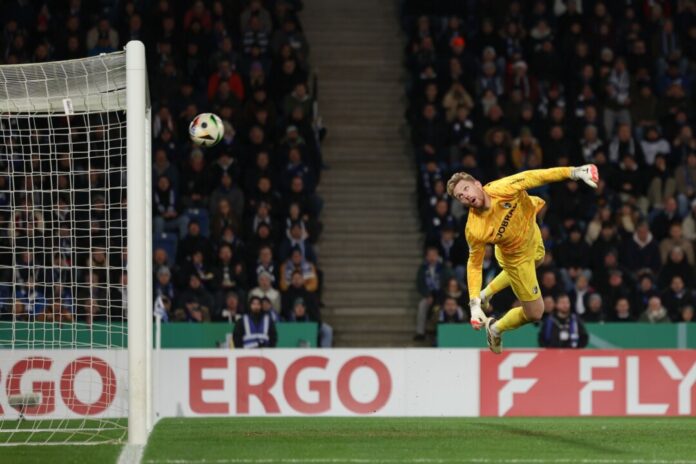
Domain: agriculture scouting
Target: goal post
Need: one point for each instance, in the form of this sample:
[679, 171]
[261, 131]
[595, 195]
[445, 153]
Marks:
[75, 251]
[139, 245]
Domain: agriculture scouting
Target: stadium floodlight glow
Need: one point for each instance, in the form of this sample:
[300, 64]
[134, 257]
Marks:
[75, 241]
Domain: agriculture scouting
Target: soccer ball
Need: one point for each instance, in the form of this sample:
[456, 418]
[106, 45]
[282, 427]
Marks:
[206, 130]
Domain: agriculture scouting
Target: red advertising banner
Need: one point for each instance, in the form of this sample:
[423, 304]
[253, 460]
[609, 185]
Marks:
[588, 382]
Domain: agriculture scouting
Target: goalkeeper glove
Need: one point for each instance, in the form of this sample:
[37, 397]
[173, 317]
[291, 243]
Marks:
[587, 173]
[478, 317]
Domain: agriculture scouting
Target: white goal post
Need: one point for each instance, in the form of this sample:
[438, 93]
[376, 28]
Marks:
[75, 251]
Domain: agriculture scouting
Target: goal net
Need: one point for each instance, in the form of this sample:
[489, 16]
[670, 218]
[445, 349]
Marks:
[73, 151]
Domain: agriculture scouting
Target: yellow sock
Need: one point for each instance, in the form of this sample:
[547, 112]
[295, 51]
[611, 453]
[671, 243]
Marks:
[500, 282]
[511, 320]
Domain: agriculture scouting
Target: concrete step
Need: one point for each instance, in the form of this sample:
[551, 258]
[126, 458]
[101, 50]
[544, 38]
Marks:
[403, 206]
[385, 191]
[355, 277]
[370, 241]
[369, 212]
[386, 325]
[332, 254]
[369, 286]
[382, 270]
[356, 223]
[371, 245]
[377, 177]
[357, 296]
[360, 338]
[367, 310]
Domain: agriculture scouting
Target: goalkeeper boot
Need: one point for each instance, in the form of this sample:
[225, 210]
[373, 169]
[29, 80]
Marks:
[495, 342]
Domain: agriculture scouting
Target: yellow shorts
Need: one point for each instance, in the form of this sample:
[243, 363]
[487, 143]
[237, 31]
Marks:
[523, 279]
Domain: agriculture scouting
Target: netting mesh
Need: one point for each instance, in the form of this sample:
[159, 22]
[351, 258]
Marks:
[63, 252]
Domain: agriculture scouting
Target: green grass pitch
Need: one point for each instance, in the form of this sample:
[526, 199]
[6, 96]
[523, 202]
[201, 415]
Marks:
[397, 440]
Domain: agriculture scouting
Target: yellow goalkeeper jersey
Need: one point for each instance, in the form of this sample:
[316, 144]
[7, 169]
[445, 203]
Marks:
[508, 223]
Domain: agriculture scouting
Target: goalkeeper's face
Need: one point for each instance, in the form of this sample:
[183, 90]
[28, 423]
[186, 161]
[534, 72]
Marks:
[470, 194]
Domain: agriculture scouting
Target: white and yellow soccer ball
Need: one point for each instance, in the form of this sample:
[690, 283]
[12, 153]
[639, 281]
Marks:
[206, 130]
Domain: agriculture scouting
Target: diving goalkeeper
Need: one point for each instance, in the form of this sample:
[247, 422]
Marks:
[504, 214]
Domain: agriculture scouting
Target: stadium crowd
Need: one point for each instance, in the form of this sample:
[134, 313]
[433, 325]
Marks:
[231, 224]
[501, 87]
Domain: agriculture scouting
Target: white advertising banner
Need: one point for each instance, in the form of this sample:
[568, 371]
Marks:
[339, 382]
[63, 384]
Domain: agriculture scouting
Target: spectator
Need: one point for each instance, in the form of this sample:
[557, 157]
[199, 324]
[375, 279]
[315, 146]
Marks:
[676, 265]
[229, 191]
[195, 184]
[676, 297]
[265, 290]
[255, 329]
[228, 75]
[563, 329]
[595, 309]
[687, 314]
[230, 273]
[676, 239]
[163, 284]
[298, 97]
[549, 284]
[653, 145]
[431, 277]
[622, 311]
[685, 179]
[452, 289]
[641, 251]
[297, 290]
[297, 263]
[202, 268]
[162, 167]
[646, 290]
[231, 310]
[296, 238]
[655, 313]
[102, 37]
[192, 242]
[290, 34]
[664, 217]
[524, 148]
[661, 184]
[580, 295]
[623, 144]
[451, 312]
[689, 223]
[195, 302]
[91, 299]
[302, 313]
[30, 301]
[573, 255]
[168, 217]
[224, 216]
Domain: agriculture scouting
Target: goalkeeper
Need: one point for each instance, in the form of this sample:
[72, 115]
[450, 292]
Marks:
[504, 214]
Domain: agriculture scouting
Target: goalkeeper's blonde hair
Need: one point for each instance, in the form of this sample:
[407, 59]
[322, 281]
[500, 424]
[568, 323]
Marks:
[457, 178]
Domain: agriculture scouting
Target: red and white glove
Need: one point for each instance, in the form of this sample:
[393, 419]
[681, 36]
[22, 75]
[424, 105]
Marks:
[478, 317]
[587, 173]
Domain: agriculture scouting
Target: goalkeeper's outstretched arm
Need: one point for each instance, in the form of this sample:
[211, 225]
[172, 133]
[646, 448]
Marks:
[474, 277]
[537, 177]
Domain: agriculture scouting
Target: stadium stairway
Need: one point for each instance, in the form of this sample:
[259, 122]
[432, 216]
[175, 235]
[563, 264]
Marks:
[371, 244]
